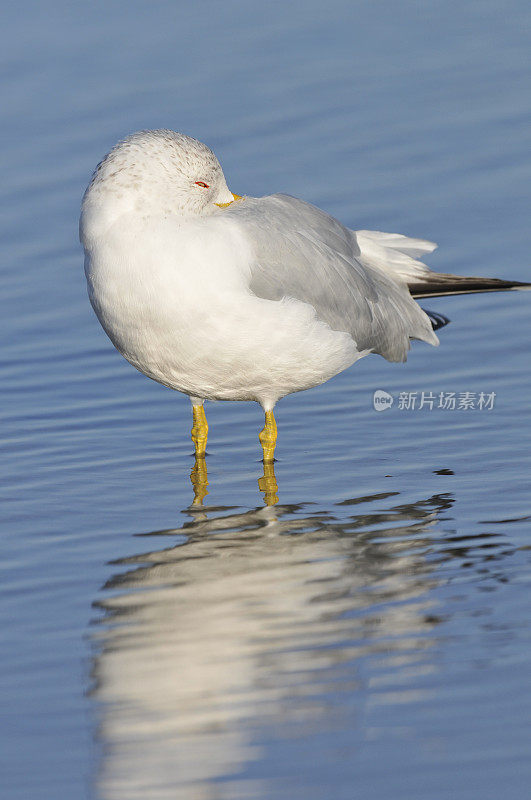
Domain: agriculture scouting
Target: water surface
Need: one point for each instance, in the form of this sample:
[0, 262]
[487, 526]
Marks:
[368, 634]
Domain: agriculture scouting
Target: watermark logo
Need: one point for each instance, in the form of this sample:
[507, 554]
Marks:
[427, 401]
[382, 400]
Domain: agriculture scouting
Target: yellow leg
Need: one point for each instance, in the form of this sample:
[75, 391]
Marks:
[199, 430]
[268, 437]
[199, 479]
[268, 484]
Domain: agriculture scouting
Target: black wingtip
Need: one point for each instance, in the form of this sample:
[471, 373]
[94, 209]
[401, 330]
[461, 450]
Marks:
[437, 320]
[438, 284]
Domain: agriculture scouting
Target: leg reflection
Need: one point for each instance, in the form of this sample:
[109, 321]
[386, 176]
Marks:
[268, 484]
[199, 479]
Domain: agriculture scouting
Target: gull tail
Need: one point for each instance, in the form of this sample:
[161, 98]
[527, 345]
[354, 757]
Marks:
[398, 255]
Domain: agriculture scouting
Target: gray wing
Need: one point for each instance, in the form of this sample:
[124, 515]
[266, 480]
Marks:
[304, 253]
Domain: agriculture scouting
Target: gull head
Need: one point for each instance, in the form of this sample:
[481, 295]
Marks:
[155, 173]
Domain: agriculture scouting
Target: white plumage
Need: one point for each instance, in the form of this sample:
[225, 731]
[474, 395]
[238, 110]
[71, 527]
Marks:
[247, 302]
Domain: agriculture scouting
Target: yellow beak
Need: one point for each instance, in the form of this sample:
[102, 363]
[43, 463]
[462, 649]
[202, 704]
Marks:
[224, 205]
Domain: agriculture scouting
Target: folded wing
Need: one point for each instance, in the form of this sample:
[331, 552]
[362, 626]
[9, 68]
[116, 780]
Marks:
[304, 253]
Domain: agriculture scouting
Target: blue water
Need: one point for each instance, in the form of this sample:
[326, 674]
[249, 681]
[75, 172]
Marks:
[368, 636]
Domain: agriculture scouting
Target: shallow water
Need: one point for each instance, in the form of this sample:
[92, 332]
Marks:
[368, 635]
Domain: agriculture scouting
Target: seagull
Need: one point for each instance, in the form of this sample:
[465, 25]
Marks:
[229, 297]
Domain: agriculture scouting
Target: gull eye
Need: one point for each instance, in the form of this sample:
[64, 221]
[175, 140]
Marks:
[202, 184]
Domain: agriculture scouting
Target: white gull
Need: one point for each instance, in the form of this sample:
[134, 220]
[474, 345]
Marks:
[225, 297]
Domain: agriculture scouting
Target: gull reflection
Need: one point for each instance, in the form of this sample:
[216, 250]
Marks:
[256, 620]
